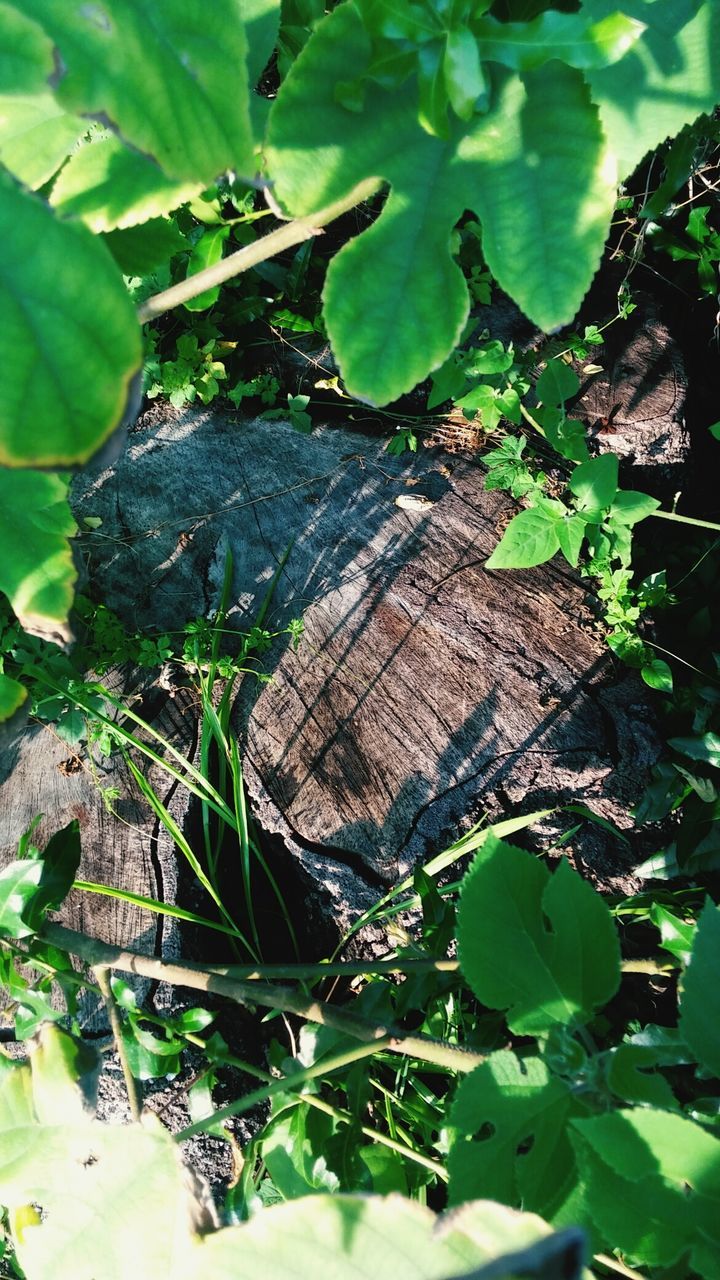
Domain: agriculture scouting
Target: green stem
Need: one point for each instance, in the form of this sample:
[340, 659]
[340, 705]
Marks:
[673, 515]
[102, 973]
[95, 953]
[284, 237]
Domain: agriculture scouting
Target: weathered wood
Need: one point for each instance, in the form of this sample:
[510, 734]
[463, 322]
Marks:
[426, 690]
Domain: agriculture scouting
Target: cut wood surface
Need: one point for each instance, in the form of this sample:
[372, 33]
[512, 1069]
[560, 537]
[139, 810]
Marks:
[426, 691]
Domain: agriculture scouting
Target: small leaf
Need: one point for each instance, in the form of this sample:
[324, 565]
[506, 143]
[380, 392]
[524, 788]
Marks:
[595, 483]
[658, 675]
[542, 947]
[700, 998]
[570, 535]
[206, 253]
[705, 747]
[557, 383]
[629, 506]
[531, 538]
[18, 886]
[491, 357]
[633, 1077]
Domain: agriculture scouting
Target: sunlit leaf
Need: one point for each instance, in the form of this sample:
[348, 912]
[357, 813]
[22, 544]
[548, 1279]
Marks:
[109, 185]
[36, 135]
[37, 571]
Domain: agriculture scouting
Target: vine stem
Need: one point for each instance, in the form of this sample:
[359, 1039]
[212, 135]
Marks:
[96, 953]
[102, 973]
[284, 237]
[673, 515]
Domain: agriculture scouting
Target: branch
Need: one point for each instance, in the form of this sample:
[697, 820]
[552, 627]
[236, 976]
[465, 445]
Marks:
[277, 241]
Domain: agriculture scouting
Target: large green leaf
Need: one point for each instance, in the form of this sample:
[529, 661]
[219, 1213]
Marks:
[511, 1144]
[171, 76]
[26, 53]
[653, 1186]
[534, 167]
[109, 185]
[70, 341]
[571, 37]
[13, 697]
[371, 1238]
[36, 570]
[542, 946]
[36, 135]
[668, 78]
[700, 999]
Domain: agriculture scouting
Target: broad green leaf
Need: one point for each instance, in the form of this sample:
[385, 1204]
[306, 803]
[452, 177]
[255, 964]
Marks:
[534, 167]
[109, 186]
[531, 538]
[464, 78]
[61, 860]
[139, 251]
[557, 383]
[595, 483]
[207, 251]
[491, 357]
[630, 506]
[705, 747]
[71, 344]
[18, 886]
[700, 998]
[64, 1072]
[510, 1142]
[567, 435]
[669, 77]
[570, 37]
[37, 572]
[26, 53]
[12, 697]
[36, 135]
[658, 675]
[372, 1238]
[653, 1186]
[541, 946]
[171, 76]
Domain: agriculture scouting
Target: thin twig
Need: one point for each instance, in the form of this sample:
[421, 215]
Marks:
[284, 237]
[102, 973]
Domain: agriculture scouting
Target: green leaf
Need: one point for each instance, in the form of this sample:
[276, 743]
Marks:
[36, 135]
[595, 483]
[658, 675]
[26, 54]
[705, 747]
[75, 341]
[207, 251]
[557, 383]
[346, 1237]
[171, 76]
[700, 998]
[629, 506]
[570, 37]
[531, 538]
[18, 886]
[109, 185]
[534, 167]
[37, 571]
[139, 251]
[632, 1076]
[491, 357]
[567, 435]
[464, 79]
[653, 1186]
[61, 859]
[570, 535]
[541, 946]
[12, 697]
[669, 77]
[510, 1143]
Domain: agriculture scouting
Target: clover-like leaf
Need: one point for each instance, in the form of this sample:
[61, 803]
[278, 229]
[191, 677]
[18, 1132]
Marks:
[509, 1117]
[541, 946]
[71, 344]
[171, 76]
[534, 166]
